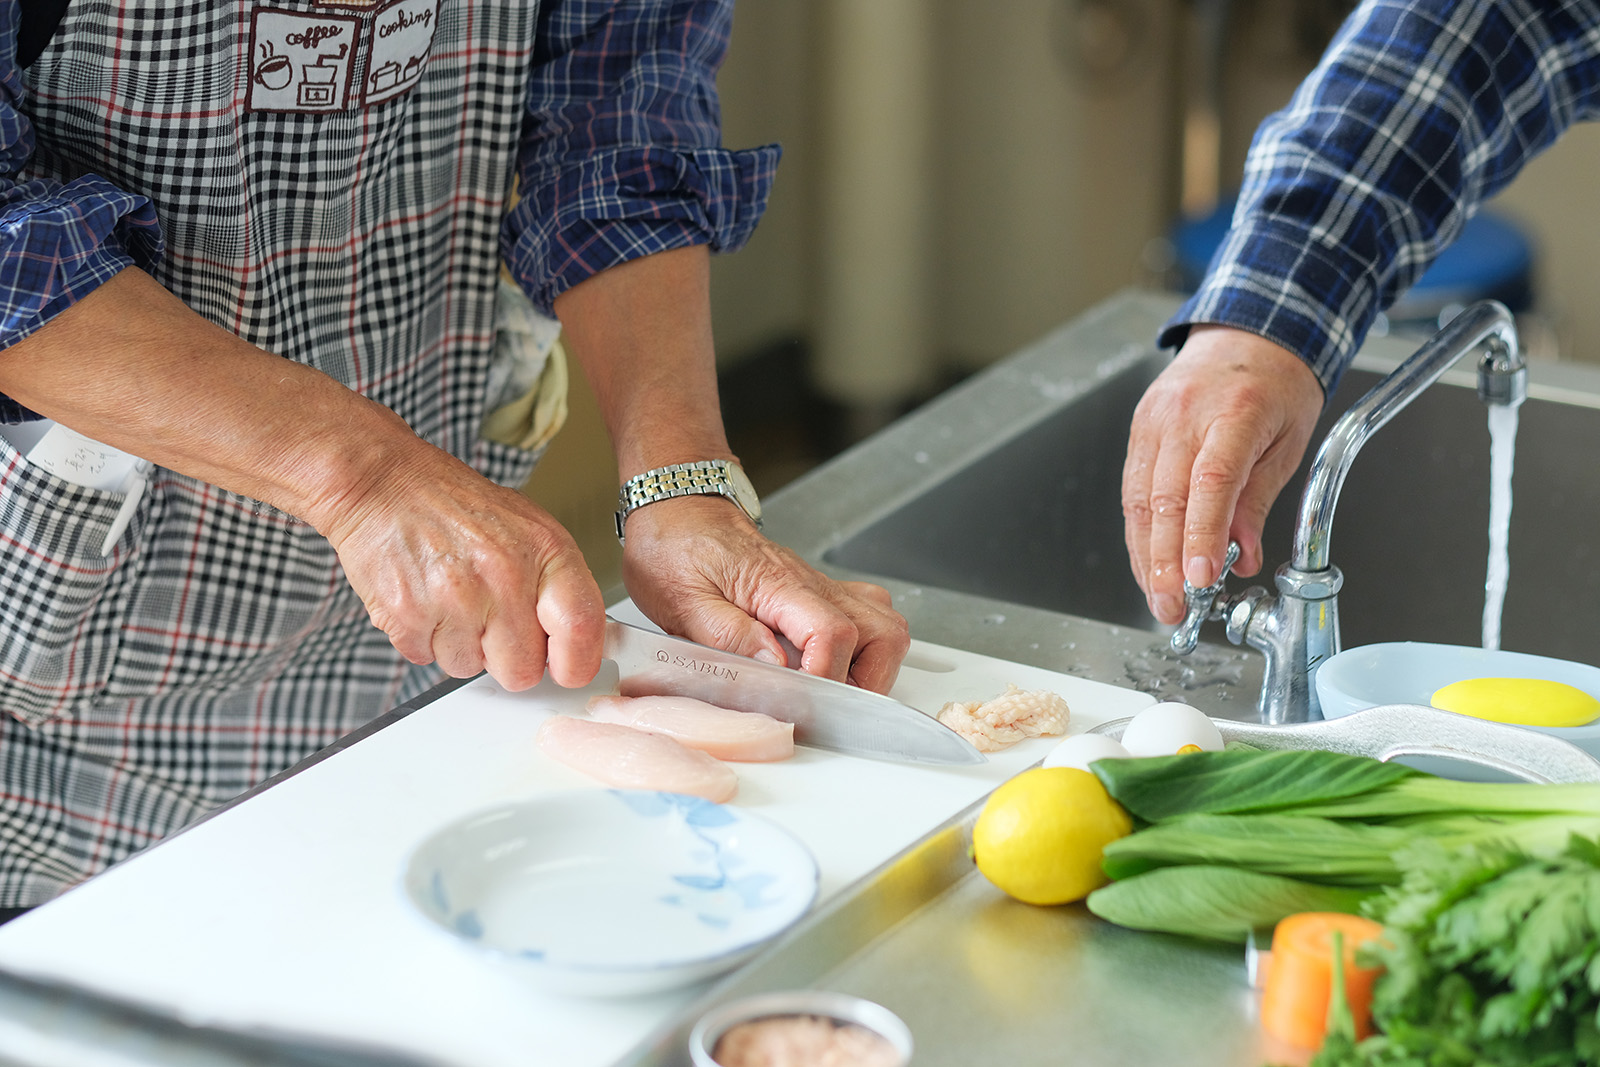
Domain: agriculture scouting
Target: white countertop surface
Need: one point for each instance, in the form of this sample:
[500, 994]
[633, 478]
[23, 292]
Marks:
[285, 911]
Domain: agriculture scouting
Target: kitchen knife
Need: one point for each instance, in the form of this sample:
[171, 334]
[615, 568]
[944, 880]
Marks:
[826, 714]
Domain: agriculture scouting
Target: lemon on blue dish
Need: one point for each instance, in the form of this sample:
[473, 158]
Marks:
[1520, 701]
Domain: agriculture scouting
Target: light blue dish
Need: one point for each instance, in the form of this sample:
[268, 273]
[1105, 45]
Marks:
[1410, 672]
[612, 892]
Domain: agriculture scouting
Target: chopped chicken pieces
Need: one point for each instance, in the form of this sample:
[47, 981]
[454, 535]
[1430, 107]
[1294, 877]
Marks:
[1008, 718]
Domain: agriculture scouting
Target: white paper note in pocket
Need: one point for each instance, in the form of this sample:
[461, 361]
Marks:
[72, 457]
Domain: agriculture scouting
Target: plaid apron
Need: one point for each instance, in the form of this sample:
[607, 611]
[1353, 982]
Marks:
[330, 178]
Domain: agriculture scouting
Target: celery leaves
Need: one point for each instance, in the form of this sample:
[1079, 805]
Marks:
[1492, 958]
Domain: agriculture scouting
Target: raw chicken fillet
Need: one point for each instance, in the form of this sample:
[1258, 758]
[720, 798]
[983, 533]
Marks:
[1008, 718]
[748, 736]
[625, 758]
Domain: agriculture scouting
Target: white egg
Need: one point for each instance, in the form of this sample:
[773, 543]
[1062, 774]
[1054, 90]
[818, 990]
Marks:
[1163, 729]
[1080, 750]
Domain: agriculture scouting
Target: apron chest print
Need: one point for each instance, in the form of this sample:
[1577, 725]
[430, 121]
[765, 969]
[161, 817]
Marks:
[306, 62]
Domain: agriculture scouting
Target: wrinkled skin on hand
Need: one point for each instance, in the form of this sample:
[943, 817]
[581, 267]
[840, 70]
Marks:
[459, 570]
[1212, 443]
[700, 568]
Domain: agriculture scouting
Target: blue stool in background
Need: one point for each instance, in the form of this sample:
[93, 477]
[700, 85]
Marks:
[1491, 260]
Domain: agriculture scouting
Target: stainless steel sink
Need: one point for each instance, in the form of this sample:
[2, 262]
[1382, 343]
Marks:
[1007, 489]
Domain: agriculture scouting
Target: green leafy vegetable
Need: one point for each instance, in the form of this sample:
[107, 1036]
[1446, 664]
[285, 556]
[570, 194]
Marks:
[1240, 780]
[1320, 819]
[1427, 795]
[1489, 892]
[1217, 903]
[1337, 853]
[1341, 1035]
[1492, 960]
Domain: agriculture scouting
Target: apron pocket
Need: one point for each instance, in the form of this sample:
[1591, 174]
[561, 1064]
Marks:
[64, 601]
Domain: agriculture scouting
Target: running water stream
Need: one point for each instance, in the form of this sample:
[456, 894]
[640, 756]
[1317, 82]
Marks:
[1502, 454]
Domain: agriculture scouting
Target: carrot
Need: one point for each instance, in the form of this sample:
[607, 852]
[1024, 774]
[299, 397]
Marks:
[1299, 985]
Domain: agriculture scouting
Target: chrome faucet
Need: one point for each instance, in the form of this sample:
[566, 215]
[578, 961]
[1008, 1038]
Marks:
[1299, 628]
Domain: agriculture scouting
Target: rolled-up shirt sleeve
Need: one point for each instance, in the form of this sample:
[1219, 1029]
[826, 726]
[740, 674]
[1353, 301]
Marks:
[621, 152]
[1418, 112]
[58, 240]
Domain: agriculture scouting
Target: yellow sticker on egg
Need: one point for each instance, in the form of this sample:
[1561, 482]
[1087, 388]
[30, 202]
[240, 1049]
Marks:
[1520, 701]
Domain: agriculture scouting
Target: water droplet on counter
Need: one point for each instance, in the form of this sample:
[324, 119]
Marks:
[994, 620]
[1160, 671]
[921, 457]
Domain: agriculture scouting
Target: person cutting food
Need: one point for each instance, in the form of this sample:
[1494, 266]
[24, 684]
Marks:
[252, 265]
[1418, 112]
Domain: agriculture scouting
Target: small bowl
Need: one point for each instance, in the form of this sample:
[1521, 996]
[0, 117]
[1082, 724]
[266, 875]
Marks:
[1410, 672]
[842, 1008]
[612, 892]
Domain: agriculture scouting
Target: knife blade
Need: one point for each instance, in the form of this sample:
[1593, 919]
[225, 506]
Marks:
[826, 714]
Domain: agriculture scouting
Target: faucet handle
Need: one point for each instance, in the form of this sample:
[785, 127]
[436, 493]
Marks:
[1202, 606]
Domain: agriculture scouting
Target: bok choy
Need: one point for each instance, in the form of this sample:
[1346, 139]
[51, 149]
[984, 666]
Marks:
[1229, 842]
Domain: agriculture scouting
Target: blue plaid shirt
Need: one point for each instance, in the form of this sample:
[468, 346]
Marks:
[1418, 112]
[620, 157]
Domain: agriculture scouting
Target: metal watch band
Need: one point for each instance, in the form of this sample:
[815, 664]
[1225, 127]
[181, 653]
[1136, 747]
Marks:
[707, 476]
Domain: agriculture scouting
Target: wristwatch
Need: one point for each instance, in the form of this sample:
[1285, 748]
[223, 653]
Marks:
[720, 477]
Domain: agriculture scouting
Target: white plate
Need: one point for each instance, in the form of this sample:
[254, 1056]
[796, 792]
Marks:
[1410, 672]
[612, 892]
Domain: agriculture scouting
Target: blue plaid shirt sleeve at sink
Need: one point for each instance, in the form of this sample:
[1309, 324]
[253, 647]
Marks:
[1418, 112]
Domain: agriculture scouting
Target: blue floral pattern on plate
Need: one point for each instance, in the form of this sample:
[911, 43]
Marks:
[615, 889]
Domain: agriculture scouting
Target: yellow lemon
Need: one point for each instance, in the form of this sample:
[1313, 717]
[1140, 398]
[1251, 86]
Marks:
[1523, 701]
[1040, 835]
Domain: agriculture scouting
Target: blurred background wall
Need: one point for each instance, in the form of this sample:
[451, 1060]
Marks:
[959, 178]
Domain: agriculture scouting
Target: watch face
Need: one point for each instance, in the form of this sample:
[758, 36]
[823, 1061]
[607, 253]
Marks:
[743, 492]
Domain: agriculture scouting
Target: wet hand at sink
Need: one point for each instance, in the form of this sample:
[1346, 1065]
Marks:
[700, 569]
[1212, 443]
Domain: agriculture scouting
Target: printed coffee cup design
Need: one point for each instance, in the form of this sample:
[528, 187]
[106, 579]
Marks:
[274, 71]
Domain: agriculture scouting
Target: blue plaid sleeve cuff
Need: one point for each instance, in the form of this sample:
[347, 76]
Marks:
[632, 202]
[58, 248]
[1273, 278]
[621, 152]
[59, 244]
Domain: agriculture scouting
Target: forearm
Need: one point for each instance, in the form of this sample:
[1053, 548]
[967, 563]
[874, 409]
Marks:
[642, 332]
[130, 365]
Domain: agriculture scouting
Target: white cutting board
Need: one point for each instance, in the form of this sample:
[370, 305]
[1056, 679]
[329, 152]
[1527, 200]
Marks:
[285, 911]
